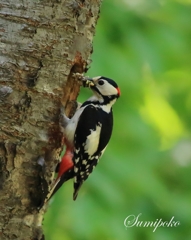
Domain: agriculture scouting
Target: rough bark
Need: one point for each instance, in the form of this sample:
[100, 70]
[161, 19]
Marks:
[42, 42]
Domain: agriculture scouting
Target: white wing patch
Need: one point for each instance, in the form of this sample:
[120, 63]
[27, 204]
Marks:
[92, 141]
[84, 162]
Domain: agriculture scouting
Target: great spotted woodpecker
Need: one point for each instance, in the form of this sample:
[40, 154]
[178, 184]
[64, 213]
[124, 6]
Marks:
[87, 133]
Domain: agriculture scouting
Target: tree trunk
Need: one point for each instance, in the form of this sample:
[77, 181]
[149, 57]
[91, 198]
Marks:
[42, 43]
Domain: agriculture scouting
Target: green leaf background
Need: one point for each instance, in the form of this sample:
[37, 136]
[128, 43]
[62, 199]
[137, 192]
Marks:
[145, 46]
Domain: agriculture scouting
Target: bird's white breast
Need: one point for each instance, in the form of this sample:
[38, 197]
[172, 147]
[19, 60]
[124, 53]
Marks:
[71, 126]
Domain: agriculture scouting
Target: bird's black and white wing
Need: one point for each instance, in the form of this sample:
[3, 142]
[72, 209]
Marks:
[91, 137]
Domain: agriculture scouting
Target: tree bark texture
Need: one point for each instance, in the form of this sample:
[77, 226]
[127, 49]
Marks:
[42, 43]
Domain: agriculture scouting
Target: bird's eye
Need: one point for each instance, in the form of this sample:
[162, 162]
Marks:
[101, 82]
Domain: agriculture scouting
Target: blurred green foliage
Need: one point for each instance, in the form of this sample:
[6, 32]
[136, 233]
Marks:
[145, 46]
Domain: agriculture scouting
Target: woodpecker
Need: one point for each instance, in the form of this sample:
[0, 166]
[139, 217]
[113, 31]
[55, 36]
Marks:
[87, 133]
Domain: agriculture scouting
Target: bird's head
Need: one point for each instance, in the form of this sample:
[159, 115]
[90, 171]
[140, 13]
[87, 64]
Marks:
[104, 87]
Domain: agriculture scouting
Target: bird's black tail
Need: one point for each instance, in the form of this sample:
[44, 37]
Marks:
[58, 183]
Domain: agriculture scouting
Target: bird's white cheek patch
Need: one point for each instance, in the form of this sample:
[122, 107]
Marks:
[92, 141]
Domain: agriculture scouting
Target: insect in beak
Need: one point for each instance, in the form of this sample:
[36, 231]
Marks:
[88, 82]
